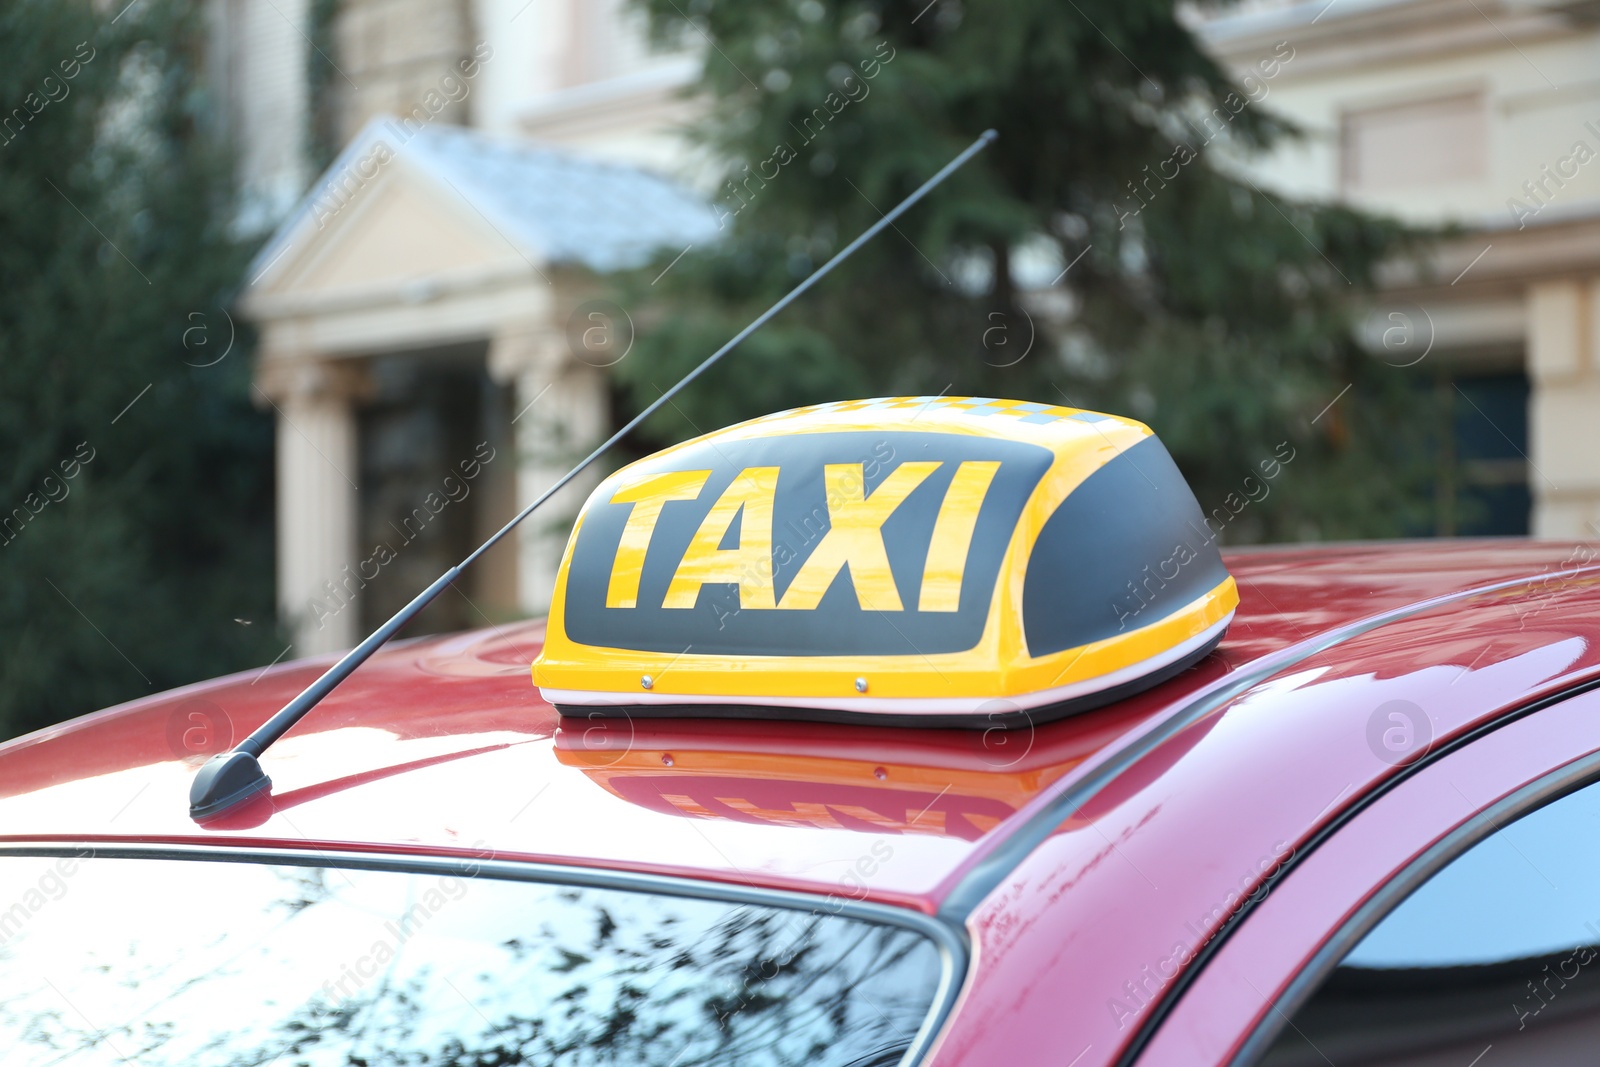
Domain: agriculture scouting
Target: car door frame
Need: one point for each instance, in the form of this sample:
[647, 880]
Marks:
[1357, 869]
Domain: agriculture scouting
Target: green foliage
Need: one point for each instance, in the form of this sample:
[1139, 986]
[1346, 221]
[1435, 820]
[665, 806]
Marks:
[1215, 312]
[131, 537]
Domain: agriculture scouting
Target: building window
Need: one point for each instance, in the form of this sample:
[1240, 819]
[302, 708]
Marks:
[1415, 145]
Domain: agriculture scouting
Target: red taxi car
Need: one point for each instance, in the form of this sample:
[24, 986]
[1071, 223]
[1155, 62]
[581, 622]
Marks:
[1361, 829]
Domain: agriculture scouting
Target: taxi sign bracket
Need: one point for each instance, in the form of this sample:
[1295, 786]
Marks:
[230, 778]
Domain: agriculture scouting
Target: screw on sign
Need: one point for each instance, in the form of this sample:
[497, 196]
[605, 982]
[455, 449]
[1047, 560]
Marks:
[1399, 731]
[199, 728]
[1010, 738]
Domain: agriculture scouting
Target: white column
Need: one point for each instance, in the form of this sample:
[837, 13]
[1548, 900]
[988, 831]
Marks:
[1564, 446]
[318, 501]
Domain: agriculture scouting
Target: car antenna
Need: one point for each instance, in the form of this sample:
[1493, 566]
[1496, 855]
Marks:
[230, 778]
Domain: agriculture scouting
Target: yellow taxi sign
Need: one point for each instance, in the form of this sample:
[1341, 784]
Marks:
[920, 560]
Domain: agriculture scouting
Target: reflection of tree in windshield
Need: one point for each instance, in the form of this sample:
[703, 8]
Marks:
[309, 885]
[505, 973]
[764, 987]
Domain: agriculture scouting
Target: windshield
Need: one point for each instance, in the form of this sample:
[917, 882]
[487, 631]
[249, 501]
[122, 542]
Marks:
[179, 962]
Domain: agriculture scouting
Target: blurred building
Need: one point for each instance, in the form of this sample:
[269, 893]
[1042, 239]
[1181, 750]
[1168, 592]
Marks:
[428, 303]
[1484, 114]
[429, 336]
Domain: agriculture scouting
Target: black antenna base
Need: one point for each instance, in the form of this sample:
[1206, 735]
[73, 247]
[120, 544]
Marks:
[227, 779]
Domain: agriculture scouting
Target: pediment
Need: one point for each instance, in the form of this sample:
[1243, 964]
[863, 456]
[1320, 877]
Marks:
[398, 229]
[407, 212]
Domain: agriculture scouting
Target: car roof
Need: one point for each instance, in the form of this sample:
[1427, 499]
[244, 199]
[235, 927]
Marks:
[443, 746]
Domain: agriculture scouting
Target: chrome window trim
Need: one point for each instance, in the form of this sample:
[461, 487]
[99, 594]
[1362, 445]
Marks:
[948, 940]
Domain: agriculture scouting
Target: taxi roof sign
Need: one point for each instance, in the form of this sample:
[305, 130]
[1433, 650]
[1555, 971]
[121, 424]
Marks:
[914, 560]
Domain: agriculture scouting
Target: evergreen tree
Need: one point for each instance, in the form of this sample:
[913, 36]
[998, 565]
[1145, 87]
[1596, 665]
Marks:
[135, 498]
[1184, 295]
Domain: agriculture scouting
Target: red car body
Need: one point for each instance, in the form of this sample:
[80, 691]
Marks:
[1134, 884]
